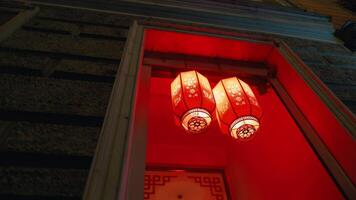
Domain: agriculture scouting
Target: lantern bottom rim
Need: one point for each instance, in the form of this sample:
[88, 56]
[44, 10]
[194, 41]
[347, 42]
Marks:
[244, 127]
[196, 120]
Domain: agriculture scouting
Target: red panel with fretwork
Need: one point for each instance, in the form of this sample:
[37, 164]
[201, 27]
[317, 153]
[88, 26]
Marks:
[187, 185]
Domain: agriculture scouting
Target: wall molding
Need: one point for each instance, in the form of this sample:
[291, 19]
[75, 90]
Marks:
[277, 22]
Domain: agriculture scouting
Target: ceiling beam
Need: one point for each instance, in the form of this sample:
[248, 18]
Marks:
[175, 63]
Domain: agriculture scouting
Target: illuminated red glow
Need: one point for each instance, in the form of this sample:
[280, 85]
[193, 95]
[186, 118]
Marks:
[276, 164]
[193, 101]
[279, 164]
[237, 109]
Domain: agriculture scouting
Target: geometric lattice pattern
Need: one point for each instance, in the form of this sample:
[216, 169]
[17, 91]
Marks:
[152, 181]
[213, 183]
[184, 185]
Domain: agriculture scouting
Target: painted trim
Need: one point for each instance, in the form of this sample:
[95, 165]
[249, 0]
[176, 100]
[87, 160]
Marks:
[178, 62]
[221, 8]
[261, 21]
[135, 159]
[107, 170]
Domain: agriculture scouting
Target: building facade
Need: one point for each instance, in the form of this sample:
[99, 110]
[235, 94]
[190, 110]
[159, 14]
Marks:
[70, 92]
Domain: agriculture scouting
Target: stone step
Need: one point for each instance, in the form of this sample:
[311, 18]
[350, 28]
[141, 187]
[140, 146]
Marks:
[41, 94]
[87, 17]
[42, 182]
[27, 137]
[64, 43]
[77, 28]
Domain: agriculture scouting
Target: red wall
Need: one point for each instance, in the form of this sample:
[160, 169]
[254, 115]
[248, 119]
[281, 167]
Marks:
[337, 139]
[277, 164]
[167, 144]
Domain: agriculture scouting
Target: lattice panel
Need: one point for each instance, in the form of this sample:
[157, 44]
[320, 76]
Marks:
[184, 185]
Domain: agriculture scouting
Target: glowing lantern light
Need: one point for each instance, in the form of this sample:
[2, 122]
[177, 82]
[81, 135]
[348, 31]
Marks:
[193, 101]
[237, 109]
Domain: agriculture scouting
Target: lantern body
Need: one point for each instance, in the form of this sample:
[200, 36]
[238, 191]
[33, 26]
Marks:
[237, 109]
[193, 101]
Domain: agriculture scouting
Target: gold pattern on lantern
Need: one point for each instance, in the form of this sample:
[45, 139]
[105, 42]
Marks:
[176, 91]
[192, 111]
[234, 90]
[244, 127]
[190, 81]
[239, 120]
[205, 86]
[220, 98]
[249, 93]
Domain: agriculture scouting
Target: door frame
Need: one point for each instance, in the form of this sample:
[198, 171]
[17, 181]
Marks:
[118, 166]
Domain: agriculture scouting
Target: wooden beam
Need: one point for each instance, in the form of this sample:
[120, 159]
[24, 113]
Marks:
[171, 62]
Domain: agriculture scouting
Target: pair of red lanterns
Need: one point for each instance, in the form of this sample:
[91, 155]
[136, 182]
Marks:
[233, 101]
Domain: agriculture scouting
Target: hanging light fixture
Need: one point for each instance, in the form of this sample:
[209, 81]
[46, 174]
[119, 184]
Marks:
[193, 101]
[237, 109]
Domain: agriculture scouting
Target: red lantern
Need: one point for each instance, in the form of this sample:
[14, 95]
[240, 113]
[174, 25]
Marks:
[237, 109]
[193, 101]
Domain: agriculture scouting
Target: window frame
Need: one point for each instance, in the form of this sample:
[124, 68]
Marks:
[119, 163]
